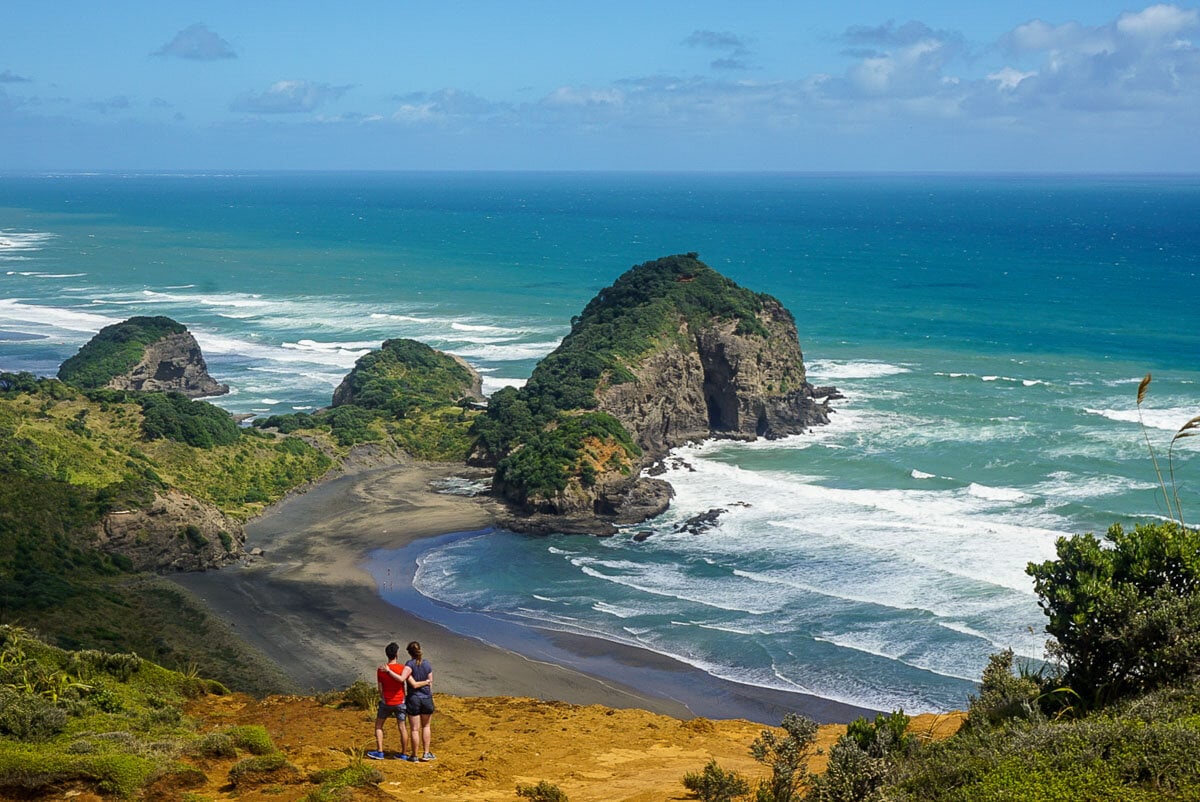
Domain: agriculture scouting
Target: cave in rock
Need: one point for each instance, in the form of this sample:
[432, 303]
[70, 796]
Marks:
[720, 395]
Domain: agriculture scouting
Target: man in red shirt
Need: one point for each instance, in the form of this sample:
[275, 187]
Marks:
[391, 678]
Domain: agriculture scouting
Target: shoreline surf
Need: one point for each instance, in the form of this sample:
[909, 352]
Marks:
[311, 606]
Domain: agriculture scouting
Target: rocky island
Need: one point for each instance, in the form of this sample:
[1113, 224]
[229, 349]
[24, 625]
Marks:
[153, 354]
[672, 352]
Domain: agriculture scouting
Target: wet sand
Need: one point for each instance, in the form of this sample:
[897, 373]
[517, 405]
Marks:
[312, 608]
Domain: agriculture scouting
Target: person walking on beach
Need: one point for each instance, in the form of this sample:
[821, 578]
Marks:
[420, 702]
[391, 679]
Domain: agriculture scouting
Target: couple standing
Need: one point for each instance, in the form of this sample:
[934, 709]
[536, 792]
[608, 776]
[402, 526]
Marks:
[405, 691]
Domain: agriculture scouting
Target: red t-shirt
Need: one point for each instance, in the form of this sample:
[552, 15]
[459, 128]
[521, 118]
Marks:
[393, 689]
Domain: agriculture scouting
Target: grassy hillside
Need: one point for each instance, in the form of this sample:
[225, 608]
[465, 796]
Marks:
[405, 394]
[115, 350]
[69, 457]
[114, 723]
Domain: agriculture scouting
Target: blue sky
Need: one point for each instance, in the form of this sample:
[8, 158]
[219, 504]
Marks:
[563, 85]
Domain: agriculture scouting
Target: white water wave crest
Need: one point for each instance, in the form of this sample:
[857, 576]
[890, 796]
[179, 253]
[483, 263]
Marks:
[821, 370]
[1167, 419]
[18, 241]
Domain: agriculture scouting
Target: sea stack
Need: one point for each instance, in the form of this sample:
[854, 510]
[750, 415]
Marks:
[672, 352]
[152, 354]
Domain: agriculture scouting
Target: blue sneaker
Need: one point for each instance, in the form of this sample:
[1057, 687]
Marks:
[427, 757]
[402, 756]
[375, 755]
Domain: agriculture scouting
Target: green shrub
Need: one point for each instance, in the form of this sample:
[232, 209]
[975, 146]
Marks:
[852, 775]
[335, 782]
[887, 736]
[714, 784]
[262, 769]
[787, 756]
[542, 792]
[1125, 619]
[28, 717]
[361, 695]
[1002, 694]
[253, 738]
[174, 416]
[215, 745]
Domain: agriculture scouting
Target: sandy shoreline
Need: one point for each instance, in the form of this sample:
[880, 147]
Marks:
[313, 609]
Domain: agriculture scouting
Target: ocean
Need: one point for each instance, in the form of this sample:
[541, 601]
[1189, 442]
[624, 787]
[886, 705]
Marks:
[988, 332]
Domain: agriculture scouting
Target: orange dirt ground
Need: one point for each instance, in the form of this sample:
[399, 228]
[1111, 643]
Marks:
[486, 746]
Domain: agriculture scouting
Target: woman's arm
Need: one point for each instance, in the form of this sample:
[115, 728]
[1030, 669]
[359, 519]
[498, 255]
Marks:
[402, 676]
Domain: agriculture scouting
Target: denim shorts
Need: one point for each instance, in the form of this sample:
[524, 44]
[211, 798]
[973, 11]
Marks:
[389, 711]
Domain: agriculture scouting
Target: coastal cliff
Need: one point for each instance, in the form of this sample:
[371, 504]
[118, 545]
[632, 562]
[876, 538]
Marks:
[672, 352]
[150, 354]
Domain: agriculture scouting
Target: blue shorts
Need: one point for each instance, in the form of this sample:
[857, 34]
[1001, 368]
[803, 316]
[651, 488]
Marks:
[419, 705]
[389, 711]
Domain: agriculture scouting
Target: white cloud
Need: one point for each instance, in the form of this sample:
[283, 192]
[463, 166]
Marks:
[1157, 22]
[196, 43]
[584, 96]
[288, 97]
[1009, 78]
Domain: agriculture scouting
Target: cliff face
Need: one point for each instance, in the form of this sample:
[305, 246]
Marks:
[174, 532]
[171, 364]
[711, 381]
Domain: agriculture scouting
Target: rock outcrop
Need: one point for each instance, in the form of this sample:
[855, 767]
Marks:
[714, 382]
[174, 532]
[151, 354]
[672, 352]
[172, 364]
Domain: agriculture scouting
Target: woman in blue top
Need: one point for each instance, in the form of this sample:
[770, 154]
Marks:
[419, 702]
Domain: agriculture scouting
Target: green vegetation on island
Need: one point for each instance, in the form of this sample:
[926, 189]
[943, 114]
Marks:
[115, 350]
[405, 393]
[540, 436]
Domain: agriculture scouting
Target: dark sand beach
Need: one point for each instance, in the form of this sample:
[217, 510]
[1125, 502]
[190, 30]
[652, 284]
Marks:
[309, 604]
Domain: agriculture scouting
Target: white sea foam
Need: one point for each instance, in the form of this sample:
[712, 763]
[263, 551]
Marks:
[53, 321]
[13, 241]
[921, 474]
[357, 347]
[616, 610]
[1007, 494]
[951, 532]
[1076, 487]
[820, 370]
[880, 646]
[1167, 419]
[493, 383]
[506, 353]
[677, 586]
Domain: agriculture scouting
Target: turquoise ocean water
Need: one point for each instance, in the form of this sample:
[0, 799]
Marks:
[988, 333]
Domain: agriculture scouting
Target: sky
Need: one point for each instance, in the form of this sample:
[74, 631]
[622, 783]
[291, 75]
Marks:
[701, 85]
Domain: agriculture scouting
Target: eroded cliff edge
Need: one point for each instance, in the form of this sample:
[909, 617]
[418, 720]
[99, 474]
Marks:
[672, 352]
